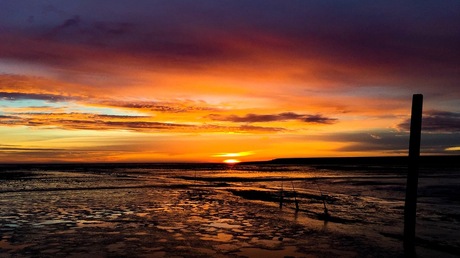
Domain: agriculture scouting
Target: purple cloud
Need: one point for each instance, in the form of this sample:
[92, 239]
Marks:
[255, 118]
[36, 96]
[436, 121]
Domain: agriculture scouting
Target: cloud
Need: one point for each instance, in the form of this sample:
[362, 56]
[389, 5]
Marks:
[319, 119]
[13, 148]
[412, 46]
[71, 22]
[87, 121]
[250, 128]
[436, 121]
[19, 86]
[6, 120]
[12, 96]
[369, 141]
[170, 106]
[255, 118]
[161, 106]
[392, 142]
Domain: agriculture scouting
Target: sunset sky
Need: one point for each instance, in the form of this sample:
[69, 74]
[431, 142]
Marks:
[207, 80]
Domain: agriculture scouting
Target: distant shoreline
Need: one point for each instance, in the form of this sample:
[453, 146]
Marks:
[445, 160]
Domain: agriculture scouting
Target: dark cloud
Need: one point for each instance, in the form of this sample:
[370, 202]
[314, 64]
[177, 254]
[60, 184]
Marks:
[319, 119]
[156, 106]
[255, 118]
[251, 128]
[10, 120]
[168, 46]
[249, 118]
[384, 143]
[436, 121]
[35, 96]
[86, 121]
[392, 142]
[98, 123]
[7, 117]
[69, 23]
[241, 129]
[166, 107]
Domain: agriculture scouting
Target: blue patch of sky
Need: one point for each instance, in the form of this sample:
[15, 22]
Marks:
[64, 106]
[27, 103]
[103, 111]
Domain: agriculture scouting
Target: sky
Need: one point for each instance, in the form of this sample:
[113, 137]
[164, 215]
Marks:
[206, 80]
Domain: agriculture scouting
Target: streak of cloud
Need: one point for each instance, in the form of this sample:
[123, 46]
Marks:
[160, 106]
[436, 121]
[82, 121]
[36, 96]
[255, 118]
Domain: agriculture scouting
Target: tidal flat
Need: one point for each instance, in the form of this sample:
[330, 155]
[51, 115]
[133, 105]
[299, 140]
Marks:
[161, 211]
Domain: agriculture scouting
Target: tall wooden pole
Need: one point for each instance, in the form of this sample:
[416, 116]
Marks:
[412, 176]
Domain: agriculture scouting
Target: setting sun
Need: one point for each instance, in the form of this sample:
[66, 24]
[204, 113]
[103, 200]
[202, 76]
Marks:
[231, 161]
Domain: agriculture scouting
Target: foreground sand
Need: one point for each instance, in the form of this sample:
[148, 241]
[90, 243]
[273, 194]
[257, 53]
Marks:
[178, 219]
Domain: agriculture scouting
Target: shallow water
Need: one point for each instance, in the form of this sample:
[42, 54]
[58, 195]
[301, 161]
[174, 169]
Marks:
[219, 211]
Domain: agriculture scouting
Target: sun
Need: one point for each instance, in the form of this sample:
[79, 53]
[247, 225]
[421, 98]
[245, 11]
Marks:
[231, 161]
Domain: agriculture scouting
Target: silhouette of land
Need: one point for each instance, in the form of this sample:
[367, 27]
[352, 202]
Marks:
[365, 162]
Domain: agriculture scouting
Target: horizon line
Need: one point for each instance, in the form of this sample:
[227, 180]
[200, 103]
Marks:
[242, 162]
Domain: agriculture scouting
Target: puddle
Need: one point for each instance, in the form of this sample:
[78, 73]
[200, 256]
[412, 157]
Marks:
[11, 225]
[170, 228]
[223, 225]
[220, 237]
[94, 223]
[55, 221]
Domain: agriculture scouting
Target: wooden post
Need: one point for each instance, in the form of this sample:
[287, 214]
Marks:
[412, 176]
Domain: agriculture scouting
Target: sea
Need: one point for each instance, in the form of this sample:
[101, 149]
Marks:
[281, 208]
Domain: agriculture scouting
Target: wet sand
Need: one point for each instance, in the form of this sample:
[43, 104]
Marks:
[106, 215]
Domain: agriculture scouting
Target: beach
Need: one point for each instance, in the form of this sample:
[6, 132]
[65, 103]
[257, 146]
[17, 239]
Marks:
[209, 210]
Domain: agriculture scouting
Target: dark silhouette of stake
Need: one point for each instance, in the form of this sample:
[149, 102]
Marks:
[295, 198]
[326, 212]
[281, 194]
[412, 176]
